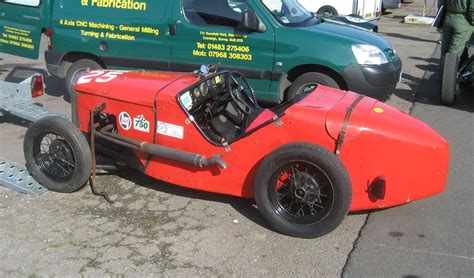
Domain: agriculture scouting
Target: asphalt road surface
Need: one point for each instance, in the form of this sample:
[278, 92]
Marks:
[159, 229]
[432, 237]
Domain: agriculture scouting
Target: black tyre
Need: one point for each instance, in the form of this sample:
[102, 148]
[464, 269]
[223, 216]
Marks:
[57, 154]
[327, 10]
[308, 81]
[449, 79]
[303, 190]
[77, 69]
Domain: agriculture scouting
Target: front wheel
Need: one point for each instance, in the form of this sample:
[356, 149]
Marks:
[57, 154]
[449, 79]
[308, 81]
[303, 190]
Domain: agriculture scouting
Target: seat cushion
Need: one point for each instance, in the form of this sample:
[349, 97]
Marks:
[224, 128]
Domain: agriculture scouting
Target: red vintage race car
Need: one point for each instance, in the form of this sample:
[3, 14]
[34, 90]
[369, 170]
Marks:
[307, 162]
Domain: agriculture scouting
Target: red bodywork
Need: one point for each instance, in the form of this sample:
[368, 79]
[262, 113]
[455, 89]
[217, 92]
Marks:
[380, 140]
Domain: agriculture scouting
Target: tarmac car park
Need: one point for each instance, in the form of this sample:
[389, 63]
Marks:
[160, 229]
[206, 131]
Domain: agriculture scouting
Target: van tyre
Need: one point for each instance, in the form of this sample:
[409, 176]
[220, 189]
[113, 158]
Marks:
[308, 81]
[449, 79]
[327, 10]
[302, 190]
[57, 154]
[75, 71]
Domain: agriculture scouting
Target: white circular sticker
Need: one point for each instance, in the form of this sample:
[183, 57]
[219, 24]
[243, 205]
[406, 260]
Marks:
[161, 128]
[125, 120]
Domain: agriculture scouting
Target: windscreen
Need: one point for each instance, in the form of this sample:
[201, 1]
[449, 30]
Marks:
[288, 12]
[32, 3]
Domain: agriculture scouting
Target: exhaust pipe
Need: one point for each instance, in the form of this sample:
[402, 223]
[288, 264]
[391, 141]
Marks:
[182, 156]
[161, 151]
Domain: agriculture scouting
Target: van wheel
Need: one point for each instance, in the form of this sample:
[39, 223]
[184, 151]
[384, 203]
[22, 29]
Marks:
[327, 10]
[303, 190]
[308, 81]
[77, 69]
[449, 79]
[57, 154]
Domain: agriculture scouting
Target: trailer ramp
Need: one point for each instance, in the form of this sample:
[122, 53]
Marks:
[16, 99]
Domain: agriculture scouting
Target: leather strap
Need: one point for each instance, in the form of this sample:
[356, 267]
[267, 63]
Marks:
[342, 133]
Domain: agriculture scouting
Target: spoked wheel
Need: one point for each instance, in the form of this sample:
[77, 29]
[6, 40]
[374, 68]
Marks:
[303, 193]
[57, 154]
[449, 79]
[302, 190]
[54, 156]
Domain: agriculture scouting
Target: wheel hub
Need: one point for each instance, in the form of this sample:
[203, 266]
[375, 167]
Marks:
[306, 189]
[59, 150]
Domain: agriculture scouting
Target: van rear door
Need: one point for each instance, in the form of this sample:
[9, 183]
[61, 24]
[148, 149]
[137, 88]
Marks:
[21, 23]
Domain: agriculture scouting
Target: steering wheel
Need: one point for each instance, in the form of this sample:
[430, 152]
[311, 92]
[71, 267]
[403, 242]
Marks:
[246, 103]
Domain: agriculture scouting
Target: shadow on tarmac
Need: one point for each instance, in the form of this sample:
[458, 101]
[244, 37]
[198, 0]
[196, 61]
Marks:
[405, 37]
[429, 92]
[246, 207]
[429, 86]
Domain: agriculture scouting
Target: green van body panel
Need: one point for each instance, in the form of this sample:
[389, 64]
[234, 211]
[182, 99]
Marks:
[142, 35]
[219, 44]
[157, 35]
[21, 27]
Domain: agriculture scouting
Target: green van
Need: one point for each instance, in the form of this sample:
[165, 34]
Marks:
[282, 48]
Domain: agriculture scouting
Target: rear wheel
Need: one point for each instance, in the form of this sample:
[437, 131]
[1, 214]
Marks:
[308, 81]
[449, 80]
[302, 190]
[77, 69]
[57, 154]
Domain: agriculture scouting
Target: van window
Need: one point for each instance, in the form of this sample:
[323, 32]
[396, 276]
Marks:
[32, 3]
[288, 12]
[215, 12]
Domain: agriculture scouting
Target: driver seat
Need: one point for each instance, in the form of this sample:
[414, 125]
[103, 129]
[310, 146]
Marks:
[224, 128]
[227, 124]
[229, 131]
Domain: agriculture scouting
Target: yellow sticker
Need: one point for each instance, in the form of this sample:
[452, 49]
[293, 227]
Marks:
[379, 110]
[218, 79]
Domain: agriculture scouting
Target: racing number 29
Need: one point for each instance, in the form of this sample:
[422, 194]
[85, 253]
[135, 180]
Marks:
[99, 75]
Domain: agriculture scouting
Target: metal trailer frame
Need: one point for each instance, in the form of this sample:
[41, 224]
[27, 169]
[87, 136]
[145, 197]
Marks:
[16, 99]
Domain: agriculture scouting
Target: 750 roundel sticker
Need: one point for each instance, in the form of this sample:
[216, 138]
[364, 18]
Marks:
[125, 120]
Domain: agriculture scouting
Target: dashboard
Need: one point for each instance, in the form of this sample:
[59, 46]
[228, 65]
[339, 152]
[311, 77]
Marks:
[209, 92]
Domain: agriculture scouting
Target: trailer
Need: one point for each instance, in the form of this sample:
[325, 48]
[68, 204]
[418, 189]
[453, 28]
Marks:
[366, 9]
[18, 100]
